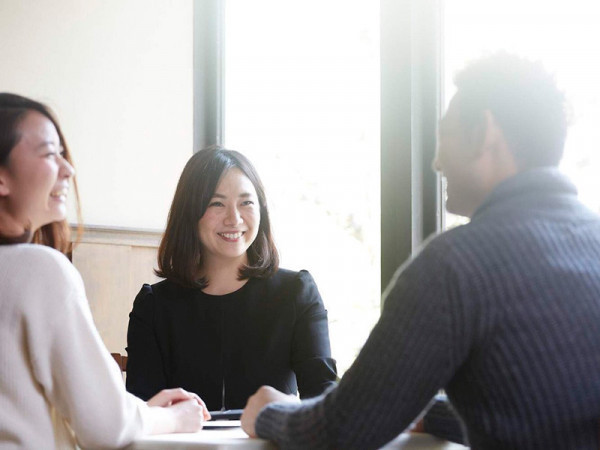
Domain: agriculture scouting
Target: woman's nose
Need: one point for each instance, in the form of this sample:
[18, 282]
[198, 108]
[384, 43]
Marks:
[233, 217]
[66, 170]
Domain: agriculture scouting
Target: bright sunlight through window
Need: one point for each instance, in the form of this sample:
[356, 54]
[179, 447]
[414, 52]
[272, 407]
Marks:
[302, 102]
[565, 36]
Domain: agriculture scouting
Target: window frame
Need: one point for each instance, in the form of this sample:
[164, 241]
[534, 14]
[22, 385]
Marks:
[410, 109]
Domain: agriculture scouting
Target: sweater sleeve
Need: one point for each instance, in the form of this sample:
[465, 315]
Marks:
[443, 422]
[73, 367]
[145, 366]
[311, 352]
[407, 358]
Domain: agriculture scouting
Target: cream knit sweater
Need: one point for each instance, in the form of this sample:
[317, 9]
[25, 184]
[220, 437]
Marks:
[56, 376]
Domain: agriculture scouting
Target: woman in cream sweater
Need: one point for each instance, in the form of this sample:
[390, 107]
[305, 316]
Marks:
[59, 386]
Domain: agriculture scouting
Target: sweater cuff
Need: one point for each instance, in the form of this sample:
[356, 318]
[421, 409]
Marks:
[145, 415]
[294, 425]
[271, 419]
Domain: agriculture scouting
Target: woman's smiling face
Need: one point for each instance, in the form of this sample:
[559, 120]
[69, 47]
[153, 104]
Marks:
[230, 224]
[35, 181]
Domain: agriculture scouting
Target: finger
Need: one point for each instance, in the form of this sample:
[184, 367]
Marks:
[159, 399]
[202, 409]
[167, 397]
[198, 399]
[247, 422]
[179, 395]
[205, 412]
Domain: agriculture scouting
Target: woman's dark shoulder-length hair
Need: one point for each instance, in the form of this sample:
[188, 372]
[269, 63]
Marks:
[180, 250]
[13, 109]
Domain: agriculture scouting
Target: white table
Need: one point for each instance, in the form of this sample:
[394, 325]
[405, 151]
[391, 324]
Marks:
[414, 441]
[228, 435]
[219, 435]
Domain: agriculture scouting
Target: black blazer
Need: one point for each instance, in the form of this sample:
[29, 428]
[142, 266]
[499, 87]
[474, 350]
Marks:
[269, 332]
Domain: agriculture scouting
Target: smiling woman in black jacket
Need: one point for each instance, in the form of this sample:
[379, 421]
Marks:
[226, 320]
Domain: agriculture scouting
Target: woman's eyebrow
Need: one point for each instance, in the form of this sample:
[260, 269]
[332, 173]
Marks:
[46, 143]
[242, 195]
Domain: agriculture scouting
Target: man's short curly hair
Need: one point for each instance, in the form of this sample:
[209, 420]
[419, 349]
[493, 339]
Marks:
[525, 101]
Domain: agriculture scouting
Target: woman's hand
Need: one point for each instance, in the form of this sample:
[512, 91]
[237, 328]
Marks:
[189, 416]
[182, 411]
[168, 397]
[262, 397]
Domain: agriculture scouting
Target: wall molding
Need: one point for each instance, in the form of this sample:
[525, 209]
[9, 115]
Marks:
[137, 237]
[114, 263]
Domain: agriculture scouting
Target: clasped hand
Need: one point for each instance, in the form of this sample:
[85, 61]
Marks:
[264, 396]
[188, 409]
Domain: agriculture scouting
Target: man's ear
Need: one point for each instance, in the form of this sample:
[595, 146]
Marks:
[495, 149]
[4, 185]
[493, 136]
[476, 136]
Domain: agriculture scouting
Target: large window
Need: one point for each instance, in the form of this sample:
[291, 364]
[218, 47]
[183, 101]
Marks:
[565, 36]
[301, 100]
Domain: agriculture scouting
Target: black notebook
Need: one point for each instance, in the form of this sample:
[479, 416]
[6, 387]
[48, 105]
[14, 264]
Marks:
[229, 414]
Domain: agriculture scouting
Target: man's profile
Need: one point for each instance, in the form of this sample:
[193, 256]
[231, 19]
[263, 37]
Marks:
[502, 313]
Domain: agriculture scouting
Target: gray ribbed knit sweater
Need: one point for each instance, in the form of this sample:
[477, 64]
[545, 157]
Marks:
[504, 313]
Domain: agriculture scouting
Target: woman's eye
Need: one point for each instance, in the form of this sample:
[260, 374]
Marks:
[247, 203]
[216, 204]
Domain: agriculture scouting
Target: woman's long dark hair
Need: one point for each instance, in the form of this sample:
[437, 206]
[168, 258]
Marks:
[180, 250]
[13, 109]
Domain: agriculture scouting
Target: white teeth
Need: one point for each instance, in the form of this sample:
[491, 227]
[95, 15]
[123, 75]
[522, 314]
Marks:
[232, 235]
[60, 193]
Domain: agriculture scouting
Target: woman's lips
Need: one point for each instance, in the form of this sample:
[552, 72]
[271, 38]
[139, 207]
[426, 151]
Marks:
[59, 194]
[231, 236]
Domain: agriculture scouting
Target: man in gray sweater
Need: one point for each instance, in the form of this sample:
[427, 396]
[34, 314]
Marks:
[503, 313]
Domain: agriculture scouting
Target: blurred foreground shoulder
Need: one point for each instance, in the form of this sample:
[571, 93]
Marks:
[39, 272]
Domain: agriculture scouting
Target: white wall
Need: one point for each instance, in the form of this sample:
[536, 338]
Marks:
[118, 73]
